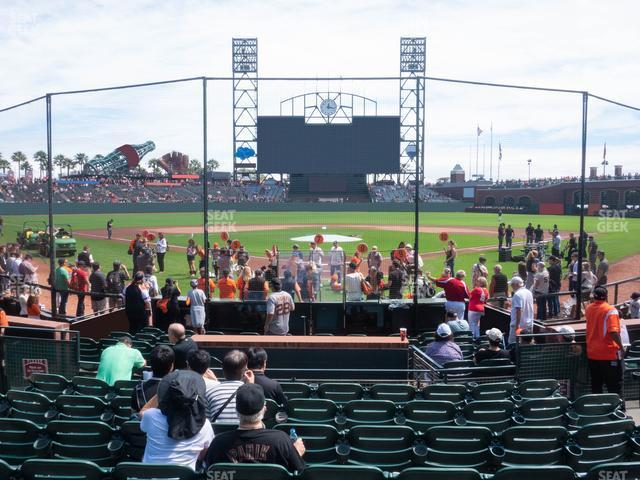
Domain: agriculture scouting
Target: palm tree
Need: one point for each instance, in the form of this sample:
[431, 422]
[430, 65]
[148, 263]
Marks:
[195, 167]
[40, 157]
[26, 166]
[81, 160]
[69, 163]
[4, 164]
[59, 161]
[212, 165]
[18, 157]
[155, 166]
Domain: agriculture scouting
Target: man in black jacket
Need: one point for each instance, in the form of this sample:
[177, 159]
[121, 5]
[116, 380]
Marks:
[258, 364]
[182, 345]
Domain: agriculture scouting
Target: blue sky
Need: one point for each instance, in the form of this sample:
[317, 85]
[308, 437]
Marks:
[59, 45]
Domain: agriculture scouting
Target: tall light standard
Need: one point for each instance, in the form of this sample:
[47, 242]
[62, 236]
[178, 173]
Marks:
[529, 164]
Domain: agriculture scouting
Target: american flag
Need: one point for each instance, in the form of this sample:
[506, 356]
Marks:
[604, 155]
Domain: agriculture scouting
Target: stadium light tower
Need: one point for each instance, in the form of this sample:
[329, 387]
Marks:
[529, 165]
[412, 97]
[245, 107]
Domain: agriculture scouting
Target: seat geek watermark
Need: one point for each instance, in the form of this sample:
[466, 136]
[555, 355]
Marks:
[222, 221]
[223, 474]
[612, 221]
[615, 475]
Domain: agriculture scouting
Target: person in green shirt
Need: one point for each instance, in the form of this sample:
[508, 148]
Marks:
[117, 361]
[61, 282]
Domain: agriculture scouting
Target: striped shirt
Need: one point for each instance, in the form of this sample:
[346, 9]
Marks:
[217, 395]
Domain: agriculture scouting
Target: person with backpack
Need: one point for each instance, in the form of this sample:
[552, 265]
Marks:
[116, 279]
[85, 256]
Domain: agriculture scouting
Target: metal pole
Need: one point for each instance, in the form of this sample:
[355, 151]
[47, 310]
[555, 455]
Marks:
[585, 103]
[52, 245]
[416, 248]
[491, 155]
[205, 191]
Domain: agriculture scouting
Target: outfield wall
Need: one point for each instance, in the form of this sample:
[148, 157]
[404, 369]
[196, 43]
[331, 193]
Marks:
[72, 208]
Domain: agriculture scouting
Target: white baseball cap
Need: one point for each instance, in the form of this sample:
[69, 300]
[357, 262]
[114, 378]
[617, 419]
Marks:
[494, 334]
[517, 280]
[443, 330]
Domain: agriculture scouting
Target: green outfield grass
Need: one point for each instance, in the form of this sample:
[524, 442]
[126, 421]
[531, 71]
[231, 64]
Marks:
[618, 244]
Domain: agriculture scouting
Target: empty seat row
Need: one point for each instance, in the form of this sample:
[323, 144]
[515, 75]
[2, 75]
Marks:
[52, 385]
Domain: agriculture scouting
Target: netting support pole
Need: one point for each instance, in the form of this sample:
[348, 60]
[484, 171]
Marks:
[581, 239]
[418, 181]
[52, 244]
[205, 193]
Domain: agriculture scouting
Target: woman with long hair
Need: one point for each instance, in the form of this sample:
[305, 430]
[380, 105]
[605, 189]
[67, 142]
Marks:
[192, 251]
[243, 282]
[450, 255]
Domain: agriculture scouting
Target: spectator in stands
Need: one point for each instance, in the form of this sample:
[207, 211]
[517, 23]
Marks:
[252, 442]
[604, 344]
[279, 306]
[33, 307]
[374, 258]
[375, 279]
[521, 309]
[98, 282]
[589, 280]
[500, 235]
[145, 257]
[221, 399]
[397, 277]
[443, 349]
[80, 283]
[336, 260]
[28, 270]
[227, 286]
[242, 256]
[531, 263]
[85, 256]
[316, 255]
[161, 250]
[290, 286]
[456, 324]
[182, 345]
[455, 292]
[118, 361]
[499, 283]
[508, 236]
[477, 300]
[495, 337]
[450, 255]
[202, 282]
[22, 300]
[257, 288]
[634, 305]
[257, 363]
[192, 251]
[175, 421]
[4, 281]
[161, 361]
[197, 300]
[538, 234]
[4, 321]
[555, 282]
[116, 279]
[309, 277]
[592, 250]
[602, 272]
[540, 290]
[556, 242]
[61, 281]
[199, 361]
[353, 283]
[479, 270]
[137, 304]
[529, 231]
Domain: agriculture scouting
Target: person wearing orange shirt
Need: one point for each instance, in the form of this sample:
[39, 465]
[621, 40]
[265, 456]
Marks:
[604, 345]
[4, 321]
[243, 282]
[202, 283]
[227, 286]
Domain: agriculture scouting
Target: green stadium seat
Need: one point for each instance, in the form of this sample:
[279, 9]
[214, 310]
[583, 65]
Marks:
[146, 337]
[31, 406]
[214, 332]
[134, 438]
[243, 471]
[494, 414]
[145, 348]
[83, 407]
[598, 443]
[367, 412]
[389, 448]
[350, 472]
[149, 471]
[340, 392]
[49, 384]
[119, 334]
[556, 472]
[295, 390]
[458, 369]
[319, 440]
[108, 342]
[395, 392]
[536, 389]
[89, 350]
[455, 447]
[492, 391]
[164, 338]
[121, 408]
[595, 408]
[496, 362]
[156, 332]
[16, 440]
[543, 411]
[7, 471]
[124, 388]
[43, 469]
[468, 350]
[311, 410]
[222, 427]
[93, 441]
[523, 445]
[270, 415]
[615, 471]
[424, 414]
[441, 391]
[92, 386]
[434, 473]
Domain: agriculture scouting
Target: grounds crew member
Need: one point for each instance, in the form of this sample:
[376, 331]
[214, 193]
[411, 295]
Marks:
[604, 345]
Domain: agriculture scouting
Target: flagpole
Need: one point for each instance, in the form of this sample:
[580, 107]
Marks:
[470, 163]
[604, 160]
[484, 158]
[491, 155]
[477, 149]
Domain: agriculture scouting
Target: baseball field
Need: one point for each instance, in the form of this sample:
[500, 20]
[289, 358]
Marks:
[474, 234]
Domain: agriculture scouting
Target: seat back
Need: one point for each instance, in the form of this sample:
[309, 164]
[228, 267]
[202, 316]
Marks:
[492, 391]
[135, 439]
[434, 473]
[244, 471]
[49, 384]
[537, 389]
[121, 408]
[525, 445]
[556, 472]
[31, 406]
[16, 440]
[340, 392]
[295, 390]
[80, 407]
[396, 393]
[454, 393]
[596, 408]
[89, 350]
[91, 386]
[351, 472]
[615, 470]
[452, 446]
[424, 414]
[385, 447]
[6, 470]
[85, 440]
[311, 410]
[544, 411]
[149, 471]
[319, 441]
[598, 443]
[39, 469]
[124, 388]
[494, 414]
[369, 412]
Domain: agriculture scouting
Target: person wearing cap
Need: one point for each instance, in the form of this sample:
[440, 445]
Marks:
[182, 345]
[336, 260]
[279, 305]
[521, 309]
[443, 349]
[137, 304]
[296, 252]
[118, 361]
[494, 335]
[634, 305]
[374, 259]
[197, 301]
[604, 344]
[479, 270]
[540, 290]
[397, 278]
[175, 421]
[455, 292]
[251, 442]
